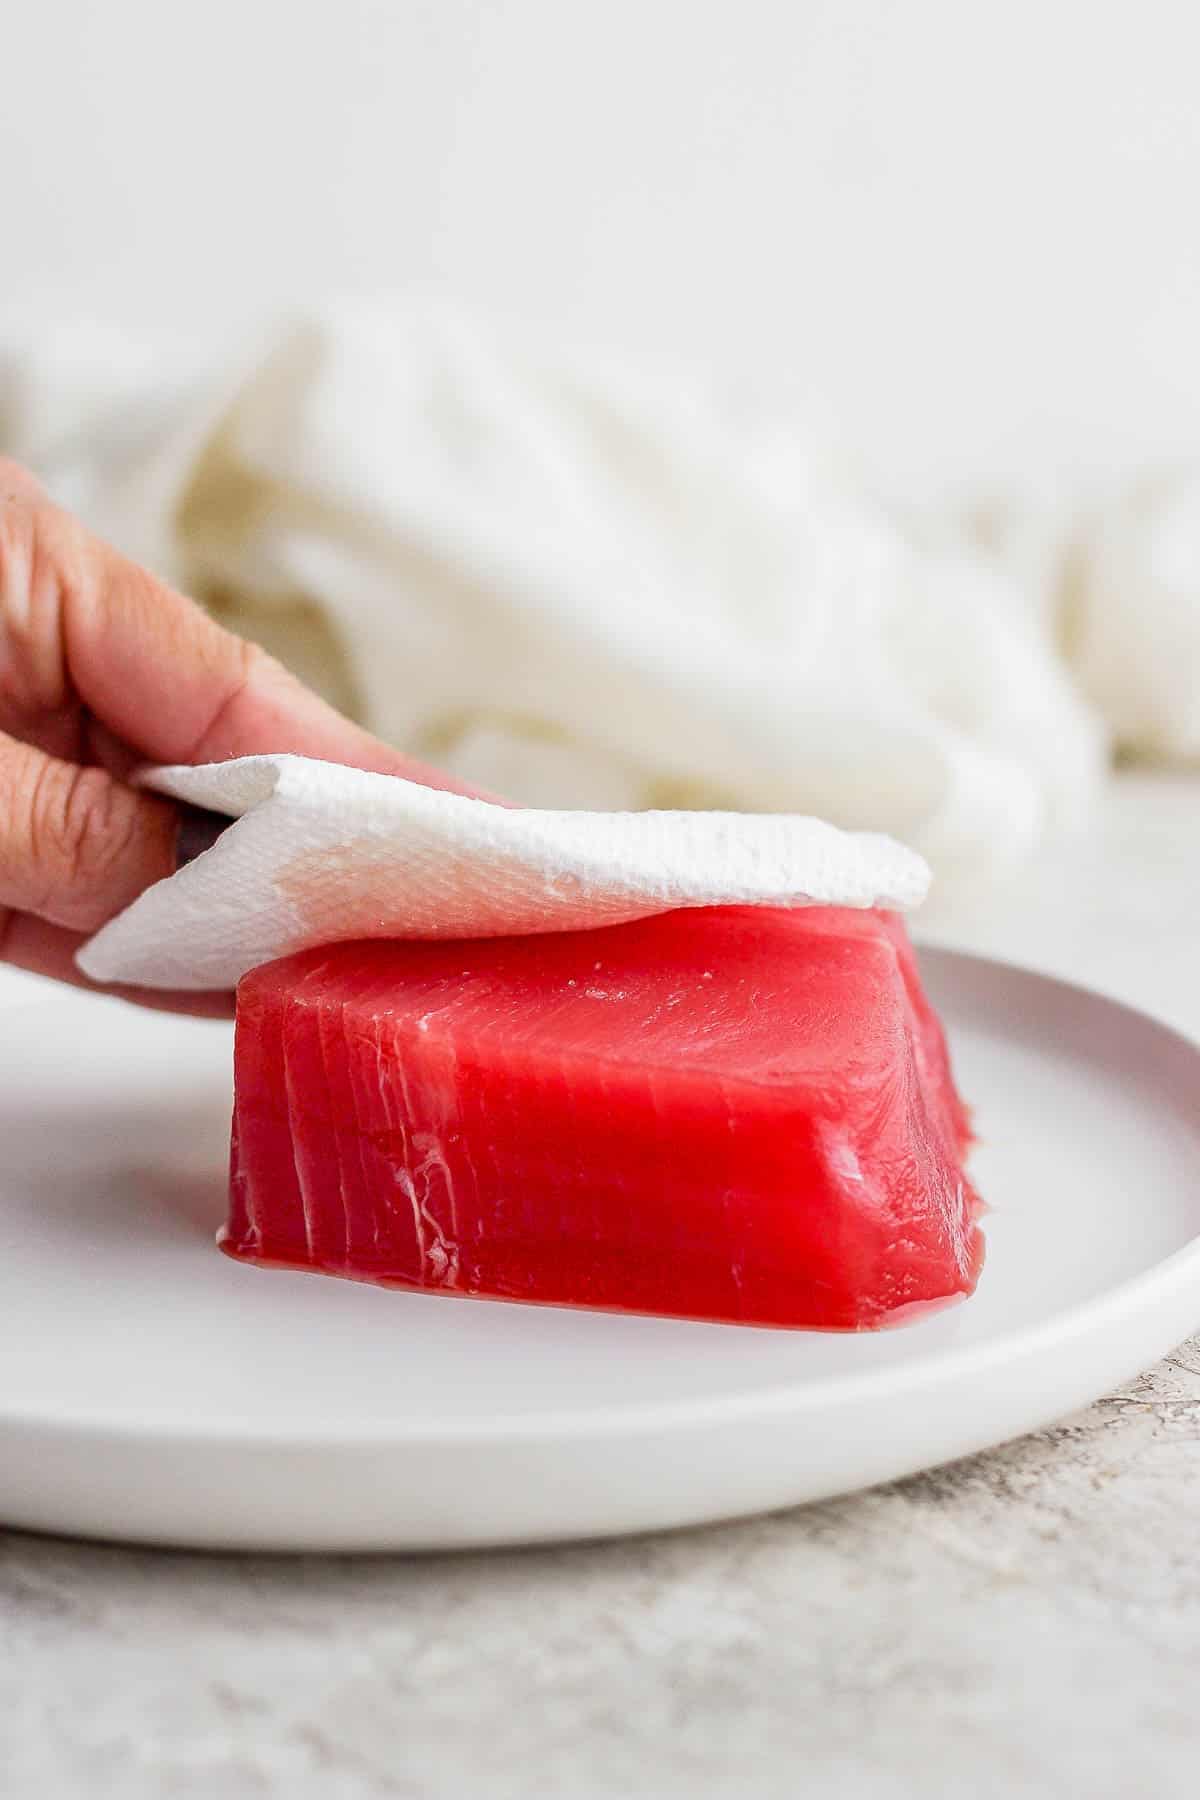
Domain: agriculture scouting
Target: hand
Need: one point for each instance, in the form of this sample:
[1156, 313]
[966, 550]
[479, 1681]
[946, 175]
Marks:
[102, 668]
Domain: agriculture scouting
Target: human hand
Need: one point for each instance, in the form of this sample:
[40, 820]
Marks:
[103, 668]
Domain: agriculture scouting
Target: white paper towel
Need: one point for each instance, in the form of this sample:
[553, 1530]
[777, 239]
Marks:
[321, 854]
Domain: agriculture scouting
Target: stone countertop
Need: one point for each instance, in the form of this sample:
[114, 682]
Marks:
[1025, 1623]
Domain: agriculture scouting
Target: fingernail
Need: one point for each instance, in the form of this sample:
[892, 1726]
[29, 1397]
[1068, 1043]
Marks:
[198, 831]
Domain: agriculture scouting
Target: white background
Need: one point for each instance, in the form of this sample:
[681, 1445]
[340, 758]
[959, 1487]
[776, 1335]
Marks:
[959, 237]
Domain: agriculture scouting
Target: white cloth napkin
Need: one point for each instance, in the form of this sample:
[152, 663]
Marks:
[581, 588]
[568, 584]
[321, 853]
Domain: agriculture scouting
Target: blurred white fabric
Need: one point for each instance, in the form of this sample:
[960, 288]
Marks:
[558, 584]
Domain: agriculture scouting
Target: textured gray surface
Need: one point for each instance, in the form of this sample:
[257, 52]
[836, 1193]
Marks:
[1025, 1623]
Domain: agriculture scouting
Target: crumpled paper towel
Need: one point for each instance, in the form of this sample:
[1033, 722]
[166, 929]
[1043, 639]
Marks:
[566, 582]
[321, 853]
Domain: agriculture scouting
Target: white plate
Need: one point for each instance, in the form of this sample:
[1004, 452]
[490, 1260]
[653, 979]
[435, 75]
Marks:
[151, 1389]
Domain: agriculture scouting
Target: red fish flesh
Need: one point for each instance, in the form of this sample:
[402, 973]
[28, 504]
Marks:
[733, 1113]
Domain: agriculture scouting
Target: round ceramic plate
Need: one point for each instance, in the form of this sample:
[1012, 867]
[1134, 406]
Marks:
[150, 1389]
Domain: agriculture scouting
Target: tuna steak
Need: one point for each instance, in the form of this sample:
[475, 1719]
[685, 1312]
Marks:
[733, 1114]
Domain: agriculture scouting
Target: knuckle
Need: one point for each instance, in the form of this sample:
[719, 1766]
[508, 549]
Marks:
[78, 829]
[37, 558]
[29, 525]
[16, 552]
[247, 666]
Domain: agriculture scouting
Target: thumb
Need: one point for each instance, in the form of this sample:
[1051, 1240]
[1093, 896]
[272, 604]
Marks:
[76, 845]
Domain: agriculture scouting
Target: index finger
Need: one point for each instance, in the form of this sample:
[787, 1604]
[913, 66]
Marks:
[164, 677]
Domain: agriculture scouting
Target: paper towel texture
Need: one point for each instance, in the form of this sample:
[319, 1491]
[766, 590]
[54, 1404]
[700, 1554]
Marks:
[320, 853]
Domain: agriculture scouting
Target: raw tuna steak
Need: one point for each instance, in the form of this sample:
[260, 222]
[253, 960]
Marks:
[734, 1113]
